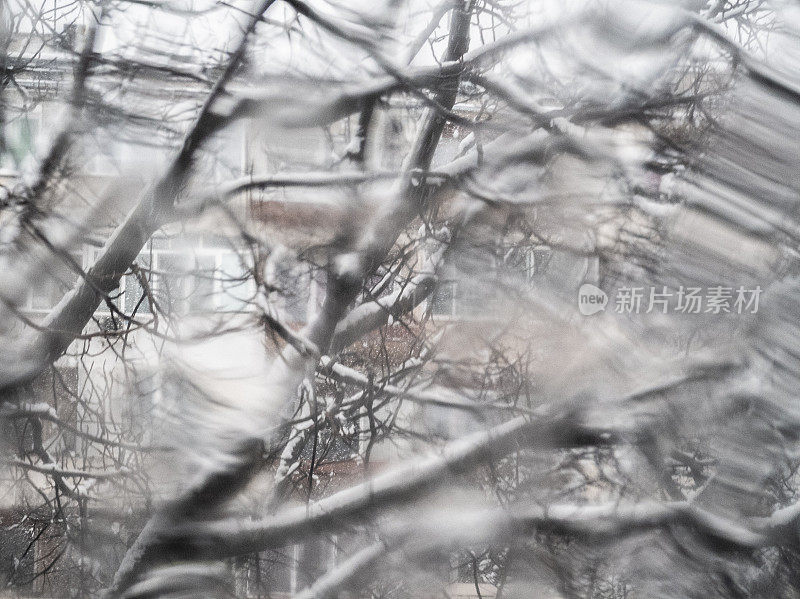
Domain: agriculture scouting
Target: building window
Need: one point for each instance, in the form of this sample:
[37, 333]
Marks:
[298, 288]
[201, 286]
[539, 259]
[235, 286]
[134, 292]
[463, 296]
[464, 290]
[443, 301]
[181, 281]
[197, 280]
[20, 135]
[203, 280]
[172, 281]
[530, 261]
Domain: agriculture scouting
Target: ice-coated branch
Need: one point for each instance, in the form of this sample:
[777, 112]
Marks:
[230, 537]
[371, 315]
[55, 470]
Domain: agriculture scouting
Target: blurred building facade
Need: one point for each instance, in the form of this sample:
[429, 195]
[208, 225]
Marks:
[197, 271]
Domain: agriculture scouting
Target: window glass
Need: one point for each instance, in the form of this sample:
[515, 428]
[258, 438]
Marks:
[236, 288]
[116, 295]
[541, 259]
[294, 284]
[172, 281]
[277, 566]
[134, 292]
[443, 300]
[200, 285]
[20, 137]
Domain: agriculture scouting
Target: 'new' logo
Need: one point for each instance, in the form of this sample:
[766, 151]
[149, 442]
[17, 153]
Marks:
[591, 299]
